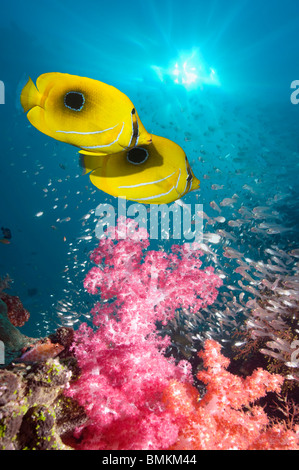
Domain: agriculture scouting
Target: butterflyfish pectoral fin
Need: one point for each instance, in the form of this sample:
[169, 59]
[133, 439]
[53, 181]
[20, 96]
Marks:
[30, 96]
[95, 154]
[90, 163]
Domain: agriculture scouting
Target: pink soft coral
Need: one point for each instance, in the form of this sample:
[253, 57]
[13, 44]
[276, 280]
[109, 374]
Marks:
[135, 397]
[155, 281]
[226, 417]
[124, 371]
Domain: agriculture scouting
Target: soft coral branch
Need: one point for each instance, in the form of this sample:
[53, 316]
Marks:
[135, 397]
[227, 416]
[124, 371]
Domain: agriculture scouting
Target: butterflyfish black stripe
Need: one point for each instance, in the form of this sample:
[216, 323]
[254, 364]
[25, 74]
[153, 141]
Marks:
[135, 126]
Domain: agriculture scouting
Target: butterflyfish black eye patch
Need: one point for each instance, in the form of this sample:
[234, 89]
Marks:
[74, 100]
[137, 155]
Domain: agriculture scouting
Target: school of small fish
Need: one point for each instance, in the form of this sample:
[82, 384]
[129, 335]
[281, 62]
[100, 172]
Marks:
[250, 220]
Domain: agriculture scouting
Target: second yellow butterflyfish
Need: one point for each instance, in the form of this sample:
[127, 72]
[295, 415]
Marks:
[87, 113]
[157, 173]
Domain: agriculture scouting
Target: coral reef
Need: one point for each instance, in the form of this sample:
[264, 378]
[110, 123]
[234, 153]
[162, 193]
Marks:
[42, 350]
[34, 412]
[12, 338]
[227, 416]
[136, 397]
[115, 385]
[269, 336]
[274, 322]
[123, 368]
[16, 313]
[12, 314]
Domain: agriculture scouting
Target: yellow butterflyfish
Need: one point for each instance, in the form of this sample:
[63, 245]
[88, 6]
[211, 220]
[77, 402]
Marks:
[157, 173]
[87, 113]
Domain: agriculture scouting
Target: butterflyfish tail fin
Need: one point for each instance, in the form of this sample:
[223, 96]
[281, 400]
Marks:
[30, 96]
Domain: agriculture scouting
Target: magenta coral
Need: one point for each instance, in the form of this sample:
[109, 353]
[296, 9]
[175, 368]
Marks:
[124, 371]
[136, 397]
[121, 388]
[155, 281]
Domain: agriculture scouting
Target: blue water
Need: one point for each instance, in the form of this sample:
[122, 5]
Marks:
[244, 128]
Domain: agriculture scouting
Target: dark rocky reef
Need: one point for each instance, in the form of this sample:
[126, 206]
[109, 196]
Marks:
[34, 412]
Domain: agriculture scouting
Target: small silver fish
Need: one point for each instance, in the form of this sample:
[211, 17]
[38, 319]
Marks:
[235, 223]
[225, 234]
[215, 206]
[229, 201]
